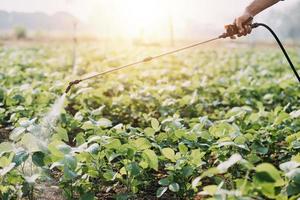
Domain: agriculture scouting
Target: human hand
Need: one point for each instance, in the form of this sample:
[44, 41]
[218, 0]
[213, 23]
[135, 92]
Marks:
[243, 24]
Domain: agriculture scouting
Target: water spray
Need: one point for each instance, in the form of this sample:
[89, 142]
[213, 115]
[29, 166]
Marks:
[231, 30]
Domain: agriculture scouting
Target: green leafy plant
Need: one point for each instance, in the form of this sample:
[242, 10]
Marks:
[191, 126]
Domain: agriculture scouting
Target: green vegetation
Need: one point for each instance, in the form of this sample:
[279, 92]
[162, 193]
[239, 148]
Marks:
[20, 32]
[203, 124]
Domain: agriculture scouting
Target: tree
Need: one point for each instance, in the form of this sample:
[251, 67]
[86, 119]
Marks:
[20, 32]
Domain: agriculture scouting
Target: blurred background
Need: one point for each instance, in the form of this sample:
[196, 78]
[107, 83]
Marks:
[138, 21]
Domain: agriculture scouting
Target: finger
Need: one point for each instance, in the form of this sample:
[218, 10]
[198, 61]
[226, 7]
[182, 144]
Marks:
[234, 21]
[245, 32]
[239, 24]
[248, 29]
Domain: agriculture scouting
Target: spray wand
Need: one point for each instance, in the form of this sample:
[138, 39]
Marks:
[231, 30]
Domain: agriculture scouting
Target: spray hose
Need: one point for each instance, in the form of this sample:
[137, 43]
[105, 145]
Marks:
[255, 25]
[231, 30]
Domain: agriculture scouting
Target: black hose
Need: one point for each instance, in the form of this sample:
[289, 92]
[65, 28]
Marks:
[255, 25]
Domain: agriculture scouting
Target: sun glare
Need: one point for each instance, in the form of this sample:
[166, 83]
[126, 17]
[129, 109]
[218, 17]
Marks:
[144, 17]
[133, 18]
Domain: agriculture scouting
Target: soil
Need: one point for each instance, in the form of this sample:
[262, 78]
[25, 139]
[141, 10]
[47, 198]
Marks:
[4, 134]
[48, 191]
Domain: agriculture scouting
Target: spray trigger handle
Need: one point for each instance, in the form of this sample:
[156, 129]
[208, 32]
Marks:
[232, 29]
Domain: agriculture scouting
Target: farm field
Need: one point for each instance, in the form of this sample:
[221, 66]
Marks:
[202, 124]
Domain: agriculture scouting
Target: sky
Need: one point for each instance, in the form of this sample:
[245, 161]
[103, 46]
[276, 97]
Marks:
[85, 8]
[143, 16]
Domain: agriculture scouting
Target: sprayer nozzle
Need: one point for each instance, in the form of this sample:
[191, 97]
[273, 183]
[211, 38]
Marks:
[71, 84]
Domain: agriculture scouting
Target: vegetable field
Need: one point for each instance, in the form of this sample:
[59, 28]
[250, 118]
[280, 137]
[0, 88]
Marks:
[203, 124]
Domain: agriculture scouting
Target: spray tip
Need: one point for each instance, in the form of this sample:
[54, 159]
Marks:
[71, 84]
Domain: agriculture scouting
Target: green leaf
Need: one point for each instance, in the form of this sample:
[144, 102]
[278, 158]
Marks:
[210, 190]
[155, 124]
[91, 124]
[149, 132]
[268, 190]
[79, 139]
[174, 187]
[7, 169]
[53, 148]
[293, 189]
[180, 133]
[87, 196]
[4, 161]
[295, 114]
[151, 158]
[93, 149]
[168, 153]
[64, 148]
[223, 130]
[69, 174]
[293, 137]
[237, 112]
[6, 147]
[110, 175]
[281, 118]
[133, 168]
[223, 167]
[70, 162]
[141, 144]
[289, 166]
[24, 122]
[31, 143]
[62, 134]
[87, 125]
[242, 146]
[272, 172]
[195, 182]
[104, 123]
[182, 148]
[160, 191]
[210, 172]
[259, 148]
[56, 164]
[113, 144]
[122, 197]
[164, 182]
[98, 111]
[196, 157]
[20, 157]
[263, 177]
[296, 158]
[78, 116]
[187, 171]
[17, 133]
[38, 158]
[295, 175]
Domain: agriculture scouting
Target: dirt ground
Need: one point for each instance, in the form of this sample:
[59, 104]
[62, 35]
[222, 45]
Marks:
[46, 191]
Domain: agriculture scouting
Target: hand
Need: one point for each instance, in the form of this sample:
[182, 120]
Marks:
[243, 24]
